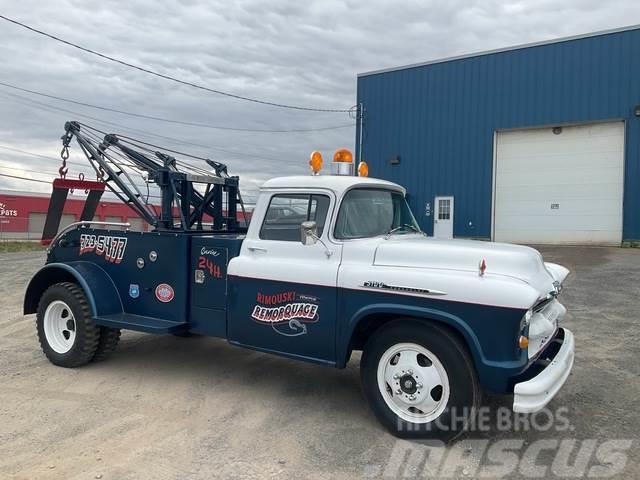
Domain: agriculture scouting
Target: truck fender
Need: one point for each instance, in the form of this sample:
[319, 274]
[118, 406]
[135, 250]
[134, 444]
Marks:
[558, 272]
[98, 286]
[421, 313]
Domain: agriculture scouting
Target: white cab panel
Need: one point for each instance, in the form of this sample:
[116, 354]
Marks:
[287, 261]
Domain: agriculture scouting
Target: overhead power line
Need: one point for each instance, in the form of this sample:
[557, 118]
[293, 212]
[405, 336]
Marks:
[178, 122]
[55, 109]
[46, 107]
[24, 170]
[48, 182]
[31, 154]
[51, 176]
[174, 79]
[25, 178]
[17, 150]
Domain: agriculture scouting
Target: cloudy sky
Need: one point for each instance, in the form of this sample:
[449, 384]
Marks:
[288, 51]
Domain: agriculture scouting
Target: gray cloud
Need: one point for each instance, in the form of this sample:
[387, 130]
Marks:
[302, 53]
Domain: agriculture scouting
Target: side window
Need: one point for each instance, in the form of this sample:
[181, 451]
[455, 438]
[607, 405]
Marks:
[287, 212]
[444, 209]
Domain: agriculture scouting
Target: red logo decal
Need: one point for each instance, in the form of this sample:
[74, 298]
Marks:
[283, 307]
[205, 264]
[164, 293]
[112, 248]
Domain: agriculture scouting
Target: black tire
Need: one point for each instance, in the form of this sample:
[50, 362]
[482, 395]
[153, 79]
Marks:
[87, 333]
[464, 389]
[109, 338]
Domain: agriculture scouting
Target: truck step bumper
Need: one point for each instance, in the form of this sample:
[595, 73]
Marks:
[140, 323]
[533, 395]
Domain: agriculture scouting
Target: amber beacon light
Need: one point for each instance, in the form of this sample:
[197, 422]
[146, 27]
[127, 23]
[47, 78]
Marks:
[363, 169]
[523, 342]
[315, 162]
[343, 155]
[343, 162]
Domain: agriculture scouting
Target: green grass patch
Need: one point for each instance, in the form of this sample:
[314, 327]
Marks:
[17, 246]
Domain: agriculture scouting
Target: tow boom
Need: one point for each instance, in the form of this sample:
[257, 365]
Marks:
[187, 192]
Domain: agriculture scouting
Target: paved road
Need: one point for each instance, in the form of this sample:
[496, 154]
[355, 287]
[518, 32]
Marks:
[168, 407]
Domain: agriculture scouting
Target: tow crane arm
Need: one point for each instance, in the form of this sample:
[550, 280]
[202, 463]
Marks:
[187, 192]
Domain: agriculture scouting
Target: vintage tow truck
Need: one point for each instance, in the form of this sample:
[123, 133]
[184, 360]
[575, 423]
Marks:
[329, 265]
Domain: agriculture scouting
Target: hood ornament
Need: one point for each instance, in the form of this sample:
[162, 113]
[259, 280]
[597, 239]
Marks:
[482, 266]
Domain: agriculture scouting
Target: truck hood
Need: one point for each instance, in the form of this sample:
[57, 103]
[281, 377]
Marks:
[516, 261]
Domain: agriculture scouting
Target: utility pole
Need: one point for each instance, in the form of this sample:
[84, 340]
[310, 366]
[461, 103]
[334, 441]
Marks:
[360, 113]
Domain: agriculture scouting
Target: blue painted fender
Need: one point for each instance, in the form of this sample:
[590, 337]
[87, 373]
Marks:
[494, 373]
[98, 286]
[417, 312]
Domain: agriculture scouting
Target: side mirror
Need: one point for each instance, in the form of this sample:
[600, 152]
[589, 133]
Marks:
[309, 232]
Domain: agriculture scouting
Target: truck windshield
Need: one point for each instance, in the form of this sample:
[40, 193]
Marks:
[368, 212]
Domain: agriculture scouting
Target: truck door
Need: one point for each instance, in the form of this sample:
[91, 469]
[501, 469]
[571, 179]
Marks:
[282, 294]
[209, 257]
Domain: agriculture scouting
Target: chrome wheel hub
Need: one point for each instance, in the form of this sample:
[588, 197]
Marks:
[408, 384]
[413, 382]
[59, 326]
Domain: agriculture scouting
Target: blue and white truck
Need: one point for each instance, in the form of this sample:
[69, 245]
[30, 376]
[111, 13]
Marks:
[329, 265]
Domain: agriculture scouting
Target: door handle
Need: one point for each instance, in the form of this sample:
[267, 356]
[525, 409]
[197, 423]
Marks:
[257, 249]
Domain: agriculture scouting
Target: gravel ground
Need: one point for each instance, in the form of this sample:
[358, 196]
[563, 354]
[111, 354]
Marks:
[198, 408]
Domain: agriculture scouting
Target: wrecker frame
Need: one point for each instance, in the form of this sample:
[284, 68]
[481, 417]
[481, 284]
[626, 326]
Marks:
[119, 161]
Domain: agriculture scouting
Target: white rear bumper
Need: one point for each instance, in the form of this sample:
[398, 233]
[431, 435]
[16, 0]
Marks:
[533, 395]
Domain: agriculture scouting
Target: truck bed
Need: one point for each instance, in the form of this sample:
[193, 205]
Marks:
[166, 281]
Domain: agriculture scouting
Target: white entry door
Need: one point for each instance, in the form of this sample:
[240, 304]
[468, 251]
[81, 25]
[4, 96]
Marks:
[443, 218]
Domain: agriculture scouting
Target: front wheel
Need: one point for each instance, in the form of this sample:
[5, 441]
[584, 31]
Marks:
[68, 335]
[419, 380]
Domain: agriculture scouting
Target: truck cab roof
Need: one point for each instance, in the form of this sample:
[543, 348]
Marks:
[337, 183]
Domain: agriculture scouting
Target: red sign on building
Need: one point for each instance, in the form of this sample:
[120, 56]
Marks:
[22, 214]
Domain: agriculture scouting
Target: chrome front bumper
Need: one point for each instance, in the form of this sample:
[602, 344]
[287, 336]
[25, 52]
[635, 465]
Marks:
[533, 395]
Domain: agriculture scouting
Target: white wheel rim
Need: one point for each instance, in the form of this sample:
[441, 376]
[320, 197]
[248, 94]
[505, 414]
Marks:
[413, 383]
[59, 326]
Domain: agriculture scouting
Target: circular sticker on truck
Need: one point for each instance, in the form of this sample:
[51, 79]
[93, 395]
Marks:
[164, 293]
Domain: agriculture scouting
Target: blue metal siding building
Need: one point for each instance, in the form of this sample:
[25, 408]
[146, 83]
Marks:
[440, 118]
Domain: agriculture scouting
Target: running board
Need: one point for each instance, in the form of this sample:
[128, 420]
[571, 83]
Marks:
[140, 323]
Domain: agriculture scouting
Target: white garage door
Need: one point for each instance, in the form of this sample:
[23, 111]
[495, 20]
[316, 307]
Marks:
[37, 220]
[563, 187]
[137, 224]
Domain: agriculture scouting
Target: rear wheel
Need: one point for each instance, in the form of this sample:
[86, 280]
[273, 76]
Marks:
[419, 380]
[67, 333]
[109, 338]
